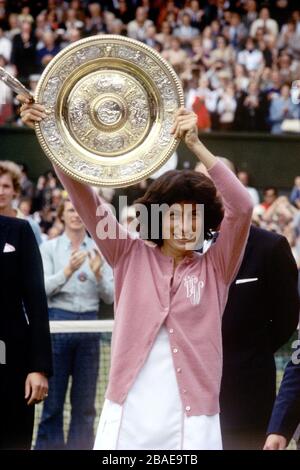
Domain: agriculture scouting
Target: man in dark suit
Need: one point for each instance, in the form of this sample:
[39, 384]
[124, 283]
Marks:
[260, 316]
[25, 353]
[286, 412]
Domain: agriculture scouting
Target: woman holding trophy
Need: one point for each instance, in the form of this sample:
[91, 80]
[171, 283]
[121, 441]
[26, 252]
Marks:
[166, 361]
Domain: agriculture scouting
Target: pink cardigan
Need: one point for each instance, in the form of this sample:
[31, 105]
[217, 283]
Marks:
[191, 308]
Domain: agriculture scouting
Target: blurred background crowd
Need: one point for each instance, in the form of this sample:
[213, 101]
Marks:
[237, 59]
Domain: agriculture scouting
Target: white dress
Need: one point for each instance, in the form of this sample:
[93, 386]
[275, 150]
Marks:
[152, 416]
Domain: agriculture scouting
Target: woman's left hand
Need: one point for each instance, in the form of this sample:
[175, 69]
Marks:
[185, 126]
[36, 388]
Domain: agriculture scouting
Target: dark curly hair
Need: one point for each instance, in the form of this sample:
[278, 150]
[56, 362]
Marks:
[178, 186]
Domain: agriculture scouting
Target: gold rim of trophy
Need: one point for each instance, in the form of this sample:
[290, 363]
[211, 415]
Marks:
[110, 107]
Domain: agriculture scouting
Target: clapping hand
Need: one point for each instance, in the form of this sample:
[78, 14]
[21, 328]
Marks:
[96, 263]
[76, 260]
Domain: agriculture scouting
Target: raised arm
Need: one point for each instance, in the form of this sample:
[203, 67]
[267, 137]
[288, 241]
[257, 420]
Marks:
[227, 252]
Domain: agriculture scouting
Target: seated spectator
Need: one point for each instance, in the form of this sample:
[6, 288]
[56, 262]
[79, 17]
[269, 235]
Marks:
[264, 21]
[222, 52]
[243, 176]
[241, 80]
[204, 92]
[281, 11]
[216, 30]
[6, 94]
[226, 108]
[185, 31]
[282, 108]
[41, 27]
[279, 218]
[50, 49]
[25, 15]
[71, 36]
[117, 27]
[271, 83]
[203, 117]
[236, 31]
[23, 54]
[27, 186]
[168, 10]
[164, 37]
[5, 45]
[219, 75]
[71, 21]
[270, 194]
[137, 28]
[251, 57]
[150, 38]
[175, 55]
[285, 69]
[94, 23]
[267, 46]
[124, 12]
[295, 194]
[207, 41]
[14, 26]
[252, 110]
[289, 39]
[52, 20]
[251, 14]
[25, 204]
[195, 13]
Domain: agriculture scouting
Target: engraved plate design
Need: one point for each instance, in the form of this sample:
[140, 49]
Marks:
[111, 103]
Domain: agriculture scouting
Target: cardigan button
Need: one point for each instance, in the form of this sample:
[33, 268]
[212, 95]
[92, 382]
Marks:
[188, 408]
[171, 331]
[175, 350]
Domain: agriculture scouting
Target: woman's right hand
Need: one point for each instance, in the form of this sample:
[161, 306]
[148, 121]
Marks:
[31, 112]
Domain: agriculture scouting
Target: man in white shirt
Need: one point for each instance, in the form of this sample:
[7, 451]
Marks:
[251, 57]
[264, 21]
[137, 28]
[5, 45]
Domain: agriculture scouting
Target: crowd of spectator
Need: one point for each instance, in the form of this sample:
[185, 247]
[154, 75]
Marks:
[237, 59]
